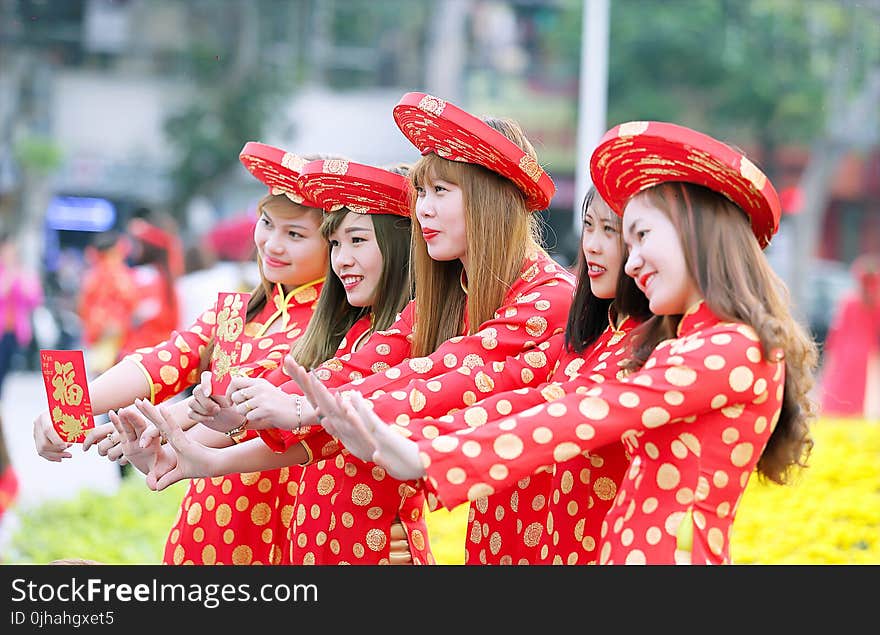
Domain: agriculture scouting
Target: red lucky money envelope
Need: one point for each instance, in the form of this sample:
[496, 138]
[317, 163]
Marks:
[67, 390]
[231, 311]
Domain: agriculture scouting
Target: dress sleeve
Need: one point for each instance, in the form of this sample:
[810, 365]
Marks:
[383, 347]
[718, 369]
[441, 382]
[173, 365]
[466, 386]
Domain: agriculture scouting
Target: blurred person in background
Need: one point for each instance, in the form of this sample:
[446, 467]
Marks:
[205, 276]
[106, 300]
[157, 260]
[20, 293]
[851, 372]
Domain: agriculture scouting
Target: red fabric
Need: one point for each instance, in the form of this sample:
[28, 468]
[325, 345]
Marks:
[555, 510]
[534, 310]
[695, 420]
[156, 311]
[853, 340]
[364, 189]
[8, 489]
[107, 300]
[436, 125]
[228, 238]
[237, 518]
[345, 507]
[276, 168]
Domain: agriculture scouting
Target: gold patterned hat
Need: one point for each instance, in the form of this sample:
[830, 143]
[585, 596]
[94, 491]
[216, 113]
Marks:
[636, 155]
[278, 169]
[435, 125]
[363, 189]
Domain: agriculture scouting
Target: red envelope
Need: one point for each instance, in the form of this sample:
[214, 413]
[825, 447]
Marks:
[67, 390]
[231, 311]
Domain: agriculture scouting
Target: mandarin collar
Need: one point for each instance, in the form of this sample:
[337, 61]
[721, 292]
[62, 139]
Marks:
[283, 302]
[696, 317]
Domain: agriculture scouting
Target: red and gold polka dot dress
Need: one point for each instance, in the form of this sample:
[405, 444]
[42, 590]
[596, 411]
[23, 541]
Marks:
[237, 518]
[516, 525]
[695, 420]
[536, 308]
[346, 510]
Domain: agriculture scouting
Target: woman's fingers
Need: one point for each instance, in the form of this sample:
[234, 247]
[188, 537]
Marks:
[96, 436]
[167, 429]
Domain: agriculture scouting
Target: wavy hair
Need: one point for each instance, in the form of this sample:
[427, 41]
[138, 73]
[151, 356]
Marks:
[738, 285]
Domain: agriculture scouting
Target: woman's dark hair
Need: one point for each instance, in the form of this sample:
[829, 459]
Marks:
[588, 315]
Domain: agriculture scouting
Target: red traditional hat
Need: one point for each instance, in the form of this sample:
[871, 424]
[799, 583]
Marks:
[435, 125]
[636, 155]
[337, 183]
[275, 167]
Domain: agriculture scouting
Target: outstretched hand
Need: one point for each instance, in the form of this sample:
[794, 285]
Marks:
[331, 413]
[192, 458]
[107, 442]
[48, 443]
[130, 428]
[217, 412]
[264, 404]
[397, 454]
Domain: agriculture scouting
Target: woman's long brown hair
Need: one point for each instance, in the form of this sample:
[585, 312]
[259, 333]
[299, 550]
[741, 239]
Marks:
[738, 285]
[500, 233]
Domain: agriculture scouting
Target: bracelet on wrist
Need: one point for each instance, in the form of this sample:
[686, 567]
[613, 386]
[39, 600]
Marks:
[237, 430]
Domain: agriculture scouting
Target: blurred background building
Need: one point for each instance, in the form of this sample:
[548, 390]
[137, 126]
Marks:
[111, 105]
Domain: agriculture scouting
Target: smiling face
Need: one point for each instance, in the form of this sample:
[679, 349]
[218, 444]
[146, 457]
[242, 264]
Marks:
[441, 215]
[656, 258]
[356, 258]
[289, 244]
[603, 249]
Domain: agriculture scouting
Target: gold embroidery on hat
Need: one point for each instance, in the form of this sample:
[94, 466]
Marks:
[335, 166]
[433, 105]
[293, 162]
[632, 128]
[528, 165]
[750, 171]
[358, 209]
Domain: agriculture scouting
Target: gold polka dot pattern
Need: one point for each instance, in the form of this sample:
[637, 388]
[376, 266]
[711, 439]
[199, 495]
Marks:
[545, 514]
[235, 519]
[689, 464]
[461, 368]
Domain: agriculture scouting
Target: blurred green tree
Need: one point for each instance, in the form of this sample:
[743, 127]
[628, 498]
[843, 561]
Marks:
[239, 80]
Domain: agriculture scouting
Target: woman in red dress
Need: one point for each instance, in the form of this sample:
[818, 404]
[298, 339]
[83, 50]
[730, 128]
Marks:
[851, 370]
[345, 511]
[234, 519]
[718, 384]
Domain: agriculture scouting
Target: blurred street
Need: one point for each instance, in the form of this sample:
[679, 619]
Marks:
[41, 480]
